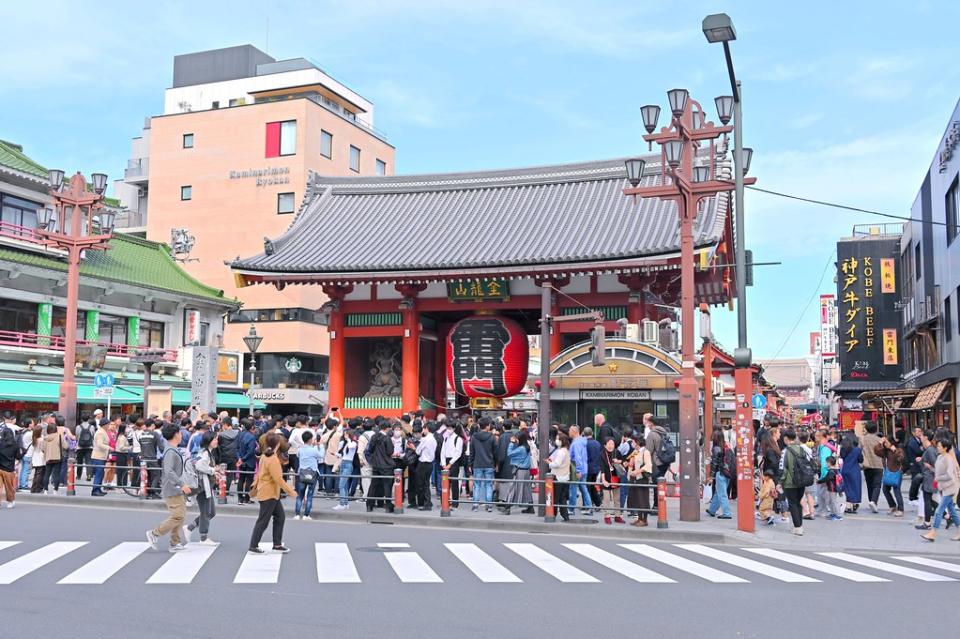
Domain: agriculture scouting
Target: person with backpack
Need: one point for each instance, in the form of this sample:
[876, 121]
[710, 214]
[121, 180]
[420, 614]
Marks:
[663, 451]
[722, 470]
[796, 473]
[173, 491]
[85, 431]
[25, 437]
[204, 468]
[10, 452]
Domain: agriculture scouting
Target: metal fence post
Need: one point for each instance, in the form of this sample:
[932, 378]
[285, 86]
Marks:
[661, 502]
[444, 493]
[549, 512]
[398, 491]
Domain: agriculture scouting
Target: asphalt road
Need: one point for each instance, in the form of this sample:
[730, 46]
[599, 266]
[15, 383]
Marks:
[87, 570]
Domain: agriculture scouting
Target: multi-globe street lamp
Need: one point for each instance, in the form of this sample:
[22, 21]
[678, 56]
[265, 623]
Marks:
[688, 173]
[76, 223]
[252, 340]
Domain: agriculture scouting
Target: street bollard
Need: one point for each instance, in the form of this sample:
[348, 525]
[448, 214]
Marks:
[549, 512]
[398, 491]
[662, 502]
[144, 480]
[222, 484]
[444, 493]
[71, 476]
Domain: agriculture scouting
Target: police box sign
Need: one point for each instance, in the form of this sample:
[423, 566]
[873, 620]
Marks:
[615, 394]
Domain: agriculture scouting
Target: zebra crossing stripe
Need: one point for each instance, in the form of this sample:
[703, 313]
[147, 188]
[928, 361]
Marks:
[913, 573]
[618, 564]
[930, 563]
[486, 568]
[684, 564]
[749, 564]
[106, 565]
[335, 565]
[25, 564]
[552, 565]
[259, 569]
[7, 544]
[819, 566]
[410, 566]
[182, 567]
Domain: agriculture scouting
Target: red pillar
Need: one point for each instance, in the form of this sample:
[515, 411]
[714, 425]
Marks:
[440, 370]
[410, 389]
[338, 369]
[556, 342]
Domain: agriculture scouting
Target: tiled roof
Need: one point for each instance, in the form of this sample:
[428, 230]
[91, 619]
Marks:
[12, 157]
[130, 260]
[515, 218]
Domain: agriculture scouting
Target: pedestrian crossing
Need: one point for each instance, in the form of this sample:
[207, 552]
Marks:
[494, 563]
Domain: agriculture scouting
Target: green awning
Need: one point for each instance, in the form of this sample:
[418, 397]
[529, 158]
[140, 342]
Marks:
[225, 399]
[26, 390]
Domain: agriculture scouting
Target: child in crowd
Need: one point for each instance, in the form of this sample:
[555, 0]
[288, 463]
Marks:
[832, 481]
[768, 493]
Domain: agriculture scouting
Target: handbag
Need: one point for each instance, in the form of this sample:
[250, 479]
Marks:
[308, 476]
[891, 478]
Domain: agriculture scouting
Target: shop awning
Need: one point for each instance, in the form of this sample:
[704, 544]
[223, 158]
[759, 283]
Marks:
[225, 399]
[28, 390]
[929, 396]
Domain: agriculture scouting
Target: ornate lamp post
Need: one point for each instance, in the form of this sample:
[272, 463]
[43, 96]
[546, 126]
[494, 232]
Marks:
[77, 222]
[686, 177]
[252, 340]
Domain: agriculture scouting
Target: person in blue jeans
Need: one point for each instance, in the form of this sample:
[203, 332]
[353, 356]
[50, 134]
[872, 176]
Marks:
[578, 484]
[718, 471]
[946, 473]
[483, 447]
[307, 476]
[346, 454]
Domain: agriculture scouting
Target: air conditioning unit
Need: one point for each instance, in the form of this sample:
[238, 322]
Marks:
[633, 332]
[651, 332]
[668, 339]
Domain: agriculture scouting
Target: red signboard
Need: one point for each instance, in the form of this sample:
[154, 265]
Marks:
[487, 356]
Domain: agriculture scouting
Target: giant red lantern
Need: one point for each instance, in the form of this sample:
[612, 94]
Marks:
[487, 356]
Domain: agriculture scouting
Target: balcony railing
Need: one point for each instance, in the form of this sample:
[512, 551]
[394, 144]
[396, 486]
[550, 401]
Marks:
[24, 233]
[55, 343]
[137, 170]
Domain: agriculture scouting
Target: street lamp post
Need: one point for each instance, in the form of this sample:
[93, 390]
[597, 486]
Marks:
[719, 28]
[252, 340]
[78, 222]
[685, 177]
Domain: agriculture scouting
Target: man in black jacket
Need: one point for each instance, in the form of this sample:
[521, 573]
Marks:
[912, 454]
[379, 454]
[483, 448]
[9, 450]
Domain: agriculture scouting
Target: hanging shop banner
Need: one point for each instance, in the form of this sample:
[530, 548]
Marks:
[828, 325]
[191, 327]
[866, 310]
[888, 277]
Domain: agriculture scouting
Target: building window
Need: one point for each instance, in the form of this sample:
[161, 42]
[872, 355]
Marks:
[216, 104]
[917, 267]
[284, 202]
[354, 159]
[186, 192]
[326, 144]
[17, 316]
[947, 320]
[952, 207]
[188, 140]
[204, 333]
[18, 212]
[381, 167]
[112, 329]
[151, 334]
[281, 138]
[237, 101]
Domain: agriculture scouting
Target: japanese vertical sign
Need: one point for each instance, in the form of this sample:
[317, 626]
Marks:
[868, 320]
[828, 326]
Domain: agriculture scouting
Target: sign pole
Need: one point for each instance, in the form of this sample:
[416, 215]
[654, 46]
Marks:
[543, 419]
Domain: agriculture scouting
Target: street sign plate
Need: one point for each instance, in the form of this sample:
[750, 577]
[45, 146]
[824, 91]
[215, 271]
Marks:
[759, 402]
[759, 414]
[102, 380]
[103, 391]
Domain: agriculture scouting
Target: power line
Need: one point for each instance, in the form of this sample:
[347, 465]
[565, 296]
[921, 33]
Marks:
[845, 207]
[806, 306]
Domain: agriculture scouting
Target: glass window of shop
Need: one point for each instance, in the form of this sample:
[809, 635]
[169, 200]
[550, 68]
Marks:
[59, 322]
[628, 412]
[19, 317]
[278, 370]
[112, 329]
[18, 212]
[151, 334]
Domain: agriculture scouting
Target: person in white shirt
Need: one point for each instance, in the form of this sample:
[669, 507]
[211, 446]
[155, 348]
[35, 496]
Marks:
[426, 450]
[298, 428]
[451, 459]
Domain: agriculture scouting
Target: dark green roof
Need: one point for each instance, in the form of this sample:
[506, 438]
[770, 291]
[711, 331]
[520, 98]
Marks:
[12, 157]
[130, 260]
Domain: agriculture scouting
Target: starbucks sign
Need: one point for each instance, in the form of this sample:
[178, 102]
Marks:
[293, 365]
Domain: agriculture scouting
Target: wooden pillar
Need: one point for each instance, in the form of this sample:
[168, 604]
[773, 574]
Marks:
[707, 396]
[336, 388]
[410, 382]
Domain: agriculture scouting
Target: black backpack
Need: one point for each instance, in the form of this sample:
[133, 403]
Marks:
[803, 475]
[666, 451]
[85, 436]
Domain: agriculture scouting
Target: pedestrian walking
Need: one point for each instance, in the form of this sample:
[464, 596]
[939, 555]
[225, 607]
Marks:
[872, 465]
[559, 462]
[85, 432]
[246, 460]
[99, 457]
[768, 495]
[640, 470]
[578, 483]
[451, 456]
[611, 471]
[483, 450]
[946, 474]
[892, 474]
[206, 468]
[172, 490]
[518, 453]
[36, 460]
[53, 447]
[722, 470]
[307, 475]
[796, 473]
[10, 452]
[266, 489]
[25, 437]
[851, 456]
[346, 454]
[594, 452]
[928, 461]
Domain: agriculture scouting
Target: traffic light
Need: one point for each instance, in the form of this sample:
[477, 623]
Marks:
[598, 345]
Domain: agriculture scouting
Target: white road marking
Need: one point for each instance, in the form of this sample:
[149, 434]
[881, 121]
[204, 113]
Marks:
[684, 564]
[930, 563]
[393, 545]
[552, 565]
[106, 565]
[410, 566]
[749, 564]
[25, 564]
[183, 566]
[486, 568]
[260, 569]
[335, 564]
[7, 544]
[819, 566]
[619, 564]
[913, 573]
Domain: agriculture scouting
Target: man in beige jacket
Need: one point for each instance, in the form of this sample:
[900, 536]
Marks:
[872, 464]
[99, 456]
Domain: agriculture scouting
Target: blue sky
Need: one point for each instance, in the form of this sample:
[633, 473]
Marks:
[843, 101]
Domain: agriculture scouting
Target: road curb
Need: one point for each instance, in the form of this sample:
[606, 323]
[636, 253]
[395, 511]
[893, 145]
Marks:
[411, 519]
